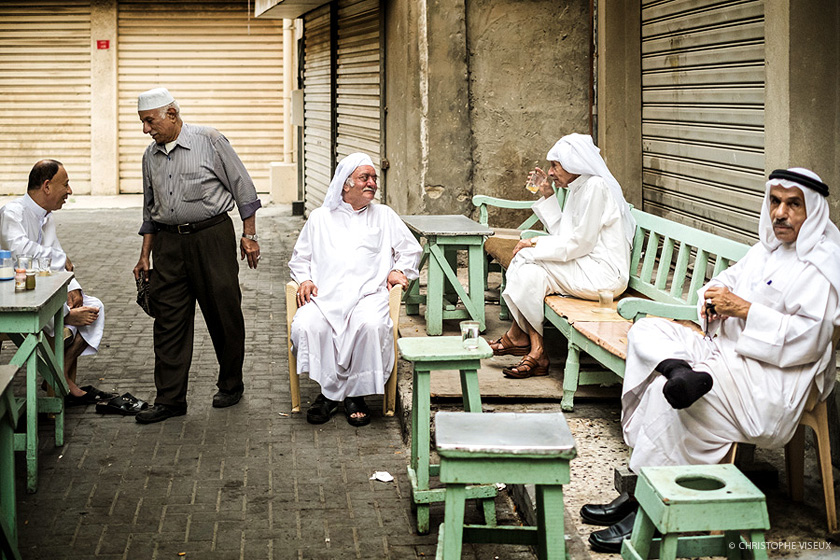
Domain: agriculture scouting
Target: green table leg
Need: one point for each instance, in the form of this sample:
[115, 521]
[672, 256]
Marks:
[420, 441]
[434, 293]
[551, 543]
[453, 520]
[31, 423]
[469, 390]
[476, 283]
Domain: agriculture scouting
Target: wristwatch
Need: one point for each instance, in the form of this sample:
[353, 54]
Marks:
[254, 237]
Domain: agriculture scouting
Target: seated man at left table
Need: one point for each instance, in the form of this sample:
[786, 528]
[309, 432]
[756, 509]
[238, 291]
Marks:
[27, 228]
[350, 253]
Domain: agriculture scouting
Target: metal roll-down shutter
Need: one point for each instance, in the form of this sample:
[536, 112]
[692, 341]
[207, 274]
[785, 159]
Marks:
[703, 113]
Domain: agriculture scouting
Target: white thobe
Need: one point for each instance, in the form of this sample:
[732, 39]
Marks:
[344, 338]
[29, 230]
[764, 367]
[586, 251]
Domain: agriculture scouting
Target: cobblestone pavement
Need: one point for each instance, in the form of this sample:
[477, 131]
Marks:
[250, 481]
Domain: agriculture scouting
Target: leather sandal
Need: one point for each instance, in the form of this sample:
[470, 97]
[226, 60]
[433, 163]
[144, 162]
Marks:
[528, 367]
[509, 348]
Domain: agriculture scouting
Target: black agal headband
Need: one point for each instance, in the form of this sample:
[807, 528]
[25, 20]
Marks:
[803, 180]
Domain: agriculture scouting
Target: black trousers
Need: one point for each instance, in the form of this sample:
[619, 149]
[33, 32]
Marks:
[192, 267]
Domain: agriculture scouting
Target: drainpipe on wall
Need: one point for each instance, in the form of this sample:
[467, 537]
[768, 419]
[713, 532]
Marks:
[284, 175]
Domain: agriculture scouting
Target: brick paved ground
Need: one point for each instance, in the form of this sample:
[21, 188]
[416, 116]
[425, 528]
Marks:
[249, 481]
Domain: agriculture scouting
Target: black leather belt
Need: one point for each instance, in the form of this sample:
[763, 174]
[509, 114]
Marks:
[184, 229]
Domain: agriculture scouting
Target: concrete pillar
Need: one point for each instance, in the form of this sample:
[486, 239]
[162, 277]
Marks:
[802, 107]
[104, 172]
[446, 134]
[620, 93]
[802, 91]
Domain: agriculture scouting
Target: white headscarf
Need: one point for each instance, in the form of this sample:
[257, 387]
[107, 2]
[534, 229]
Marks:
[578, 154]
[818, 241]
[344, 169]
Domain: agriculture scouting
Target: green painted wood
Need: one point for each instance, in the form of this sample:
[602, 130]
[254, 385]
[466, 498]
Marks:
[433, 353]
[695, 498]
[647, 255]
[8, 503]
[444, 353]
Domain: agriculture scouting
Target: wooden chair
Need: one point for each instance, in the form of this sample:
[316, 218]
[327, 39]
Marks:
[815, 417]
[389, 401]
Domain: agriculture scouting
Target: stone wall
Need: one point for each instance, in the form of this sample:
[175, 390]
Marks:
[476, 93]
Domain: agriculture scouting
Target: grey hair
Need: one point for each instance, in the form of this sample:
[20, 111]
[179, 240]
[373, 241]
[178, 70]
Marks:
[348, 182]
[165, 109]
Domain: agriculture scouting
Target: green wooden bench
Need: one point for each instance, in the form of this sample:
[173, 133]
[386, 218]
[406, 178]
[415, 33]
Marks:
[669, 263]
[10, 409]
[499, 247]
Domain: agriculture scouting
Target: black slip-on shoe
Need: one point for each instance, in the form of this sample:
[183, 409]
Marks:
[158, 413]
[223, 400]
[609, 539]
[608, 514]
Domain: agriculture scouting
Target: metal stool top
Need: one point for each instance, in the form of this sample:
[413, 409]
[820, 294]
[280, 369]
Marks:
[504, 433]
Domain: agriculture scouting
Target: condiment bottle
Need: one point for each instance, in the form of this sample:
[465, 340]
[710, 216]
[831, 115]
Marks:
[30, 279]
[20, 279]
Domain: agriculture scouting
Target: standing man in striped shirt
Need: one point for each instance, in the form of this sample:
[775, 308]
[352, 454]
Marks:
[191, 179]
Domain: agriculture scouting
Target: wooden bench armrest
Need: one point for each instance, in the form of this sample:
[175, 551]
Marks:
[483, 201]
[636, 308]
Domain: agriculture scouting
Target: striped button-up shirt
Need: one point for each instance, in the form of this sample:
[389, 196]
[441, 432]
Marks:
[198, 179]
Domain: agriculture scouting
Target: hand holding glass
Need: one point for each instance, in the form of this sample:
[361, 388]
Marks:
[535, 179]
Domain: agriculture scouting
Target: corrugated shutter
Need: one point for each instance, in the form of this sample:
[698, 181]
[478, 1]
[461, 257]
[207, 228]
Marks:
[44, 90]
[358, 79]
[703, 113]
[317, 106]
[224, 67]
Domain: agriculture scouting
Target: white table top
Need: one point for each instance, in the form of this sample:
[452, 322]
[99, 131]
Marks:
[506, 433]
[32, 300]
[445, 225]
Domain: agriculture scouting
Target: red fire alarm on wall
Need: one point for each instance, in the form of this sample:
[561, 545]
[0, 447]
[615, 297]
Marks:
[103, 44]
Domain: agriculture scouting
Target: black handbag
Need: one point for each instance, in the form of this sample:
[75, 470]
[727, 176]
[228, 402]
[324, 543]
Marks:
[143, 293]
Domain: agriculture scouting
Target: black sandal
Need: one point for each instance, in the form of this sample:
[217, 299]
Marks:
[126, 405]
[321, 410]
[355, 405]
[97, 394]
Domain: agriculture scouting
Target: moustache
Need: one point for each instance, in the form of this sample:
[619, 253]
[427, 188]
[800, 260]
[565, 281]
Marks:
[781, 223]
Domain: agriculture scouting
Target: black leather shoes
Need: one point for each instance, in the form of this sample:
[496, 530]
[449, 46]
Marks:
[222, 399]
[158, 413]
[608, 514]
[609, 539]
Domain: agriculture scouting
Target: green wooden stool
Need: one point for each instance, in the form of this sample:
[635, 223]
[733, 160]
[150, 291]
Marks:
[504, 447]
[430, 354]
[692, 498]
[9, 413]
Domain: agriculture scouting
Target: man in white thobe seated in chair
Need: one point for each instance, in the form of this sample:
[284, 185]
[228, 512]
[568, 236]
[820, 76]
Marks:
[686, 398]
[27, 228]
[349, 254]
[587, 249]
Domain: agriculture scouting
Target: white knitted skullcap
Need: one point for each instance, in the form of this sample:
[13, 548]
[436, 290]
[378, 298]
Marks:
[154, 99]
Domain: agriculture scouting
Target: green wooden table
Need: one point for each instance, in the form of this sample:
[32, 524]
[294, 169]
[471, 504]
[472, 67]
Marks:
[511, 447]
[23, 316]
[8, 509]
[445, 236]
[436, 354]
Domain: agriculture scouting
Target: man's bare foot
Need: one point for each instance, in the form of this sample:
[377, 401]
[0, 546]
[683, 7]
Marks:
[81, 316]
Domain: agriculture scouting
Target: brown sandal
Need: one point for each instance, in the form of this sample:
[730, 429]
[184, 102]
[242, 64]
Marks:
[528, 367]
[509, 348]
